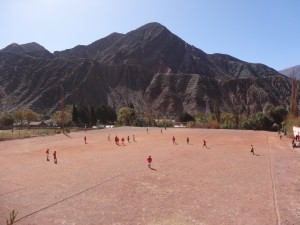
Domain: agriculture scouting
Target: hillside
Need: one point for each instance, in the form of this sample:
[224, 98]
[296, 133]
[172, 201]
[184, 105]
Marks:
[149, 67]
[292, 71]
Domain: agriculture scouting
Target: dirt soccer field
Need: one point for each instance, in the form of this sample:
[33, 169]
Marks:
[103, 183]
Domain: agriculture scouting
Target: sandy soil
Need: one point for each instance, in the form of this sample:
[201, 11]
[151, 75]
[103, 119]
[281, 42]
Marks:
[103, 183]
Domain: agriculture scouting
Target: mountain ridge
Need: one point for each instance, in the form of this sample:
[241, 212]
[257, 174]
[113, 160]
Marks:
[149, 67]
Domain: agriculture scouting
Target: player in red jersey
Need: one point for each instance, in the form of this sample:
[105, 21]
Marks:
[149, 160]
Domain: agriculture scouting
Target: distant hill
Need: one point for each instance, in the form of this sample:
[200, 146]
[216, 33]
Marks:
[149, 67]
[295, 70]
[31, 49]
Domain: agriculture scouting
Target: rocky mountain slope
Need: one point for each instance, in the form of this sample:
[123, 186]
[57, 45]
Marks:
[292, 71]
[149, 67]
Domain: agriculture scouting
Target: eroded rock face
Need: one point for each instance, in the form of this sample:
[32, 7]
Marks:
[149, 67]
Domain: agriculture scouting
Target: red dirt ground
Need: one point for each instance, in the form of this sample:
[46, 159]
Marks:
[102, 183]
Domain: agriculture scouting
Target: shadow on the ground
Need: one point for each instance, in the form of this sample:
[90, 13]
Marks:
[152, 168]
[67, 135]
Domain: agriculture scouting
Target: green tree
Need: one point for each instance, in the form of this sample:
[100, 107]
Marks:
[105, 114]
[93, 117]
[258, 121]
[126, 116]
[217, 111]
[227, 120]
[30, 116]
[83, 113]
[6, 120]
[279, 114]
[111, 114]
[20, 116]
[75, 115]
[185, 117]
[67, 117]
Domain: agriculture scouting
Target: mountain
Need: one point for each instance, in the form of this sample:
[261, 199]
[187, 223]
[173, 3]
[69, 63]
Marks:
[32, 49]
[149, 67]
[292, 71]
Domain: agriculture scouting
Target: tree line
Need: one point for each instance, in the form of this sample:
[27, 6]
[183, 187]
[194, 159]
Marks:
[81, 116]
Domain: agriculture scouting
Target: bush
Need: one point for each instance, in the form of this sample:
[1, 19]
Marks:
[212, 124]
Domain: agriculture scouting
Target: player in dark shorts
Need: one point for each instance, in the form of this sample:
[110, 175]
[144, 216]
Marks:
[55, 158]
[252, 149]
[47, 152]
[204, 144]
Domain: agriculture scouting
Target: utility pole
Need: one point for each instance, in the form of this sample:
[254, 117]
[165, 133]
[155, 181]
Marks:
[62, 109]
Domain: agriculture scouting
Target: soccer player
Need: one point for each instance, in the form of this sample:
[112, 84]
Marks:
[55, 158]
[173, 140]
[149, 160]
[204, 144]
[116, 140]
[252, 149]
[47, 152]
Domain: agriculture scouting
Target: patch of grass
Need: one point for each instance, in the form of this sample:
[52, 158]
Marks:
[12, 217]
[6, 135]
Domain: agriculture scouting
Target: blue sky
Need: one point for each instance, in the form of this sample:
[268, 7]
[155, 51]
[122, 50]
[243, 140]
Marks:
[258, 31]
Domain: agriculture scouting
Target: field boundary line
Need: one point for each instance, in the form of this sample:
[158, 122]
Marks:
[273, 185]
[64, 199]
